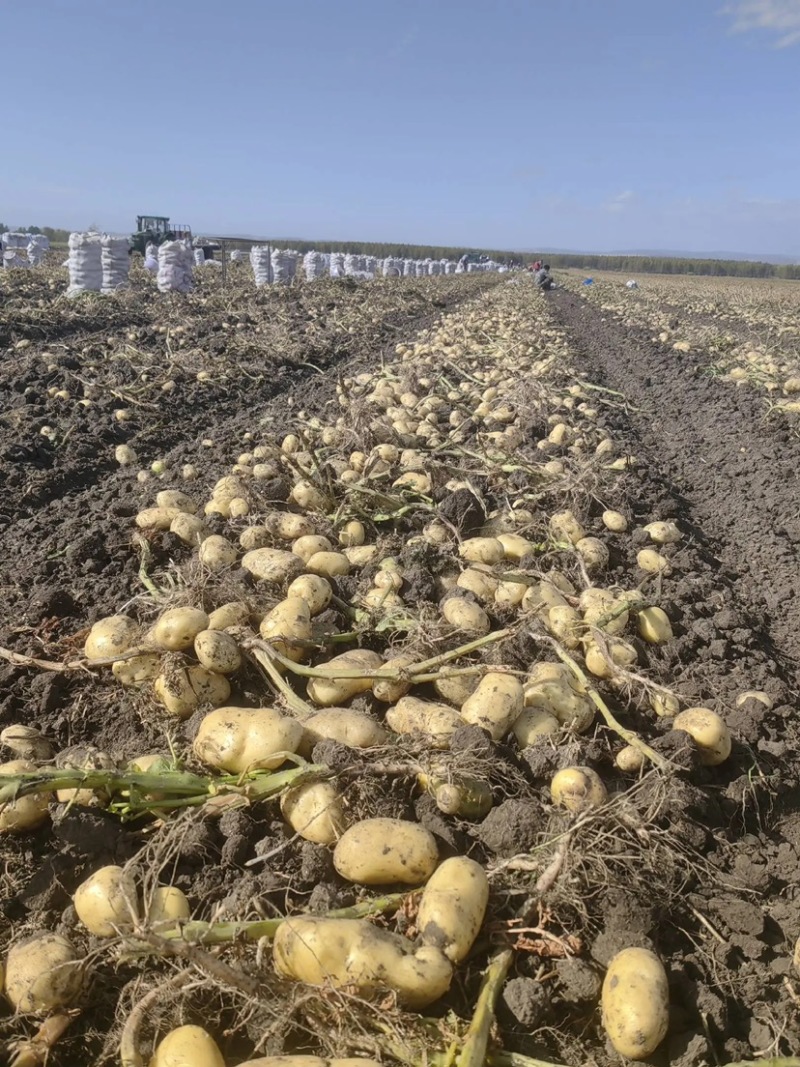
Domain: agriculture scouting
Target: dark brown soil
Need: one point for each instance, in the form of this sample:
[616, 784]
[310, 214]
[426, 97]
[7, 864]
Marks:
[702, 865]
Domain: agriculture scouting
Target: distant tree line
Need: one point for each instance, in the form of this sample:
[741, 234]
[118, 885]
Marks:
[55, 236]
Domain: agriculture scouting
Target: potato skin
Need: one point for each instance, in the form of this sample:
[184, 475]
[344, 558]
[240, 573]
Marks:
[495, 705]
[42, 973]
[385, 851]
[453, 907]
[353, 952]
[412, 715]
[241, 739]
[187, 1045]
[635, 1002]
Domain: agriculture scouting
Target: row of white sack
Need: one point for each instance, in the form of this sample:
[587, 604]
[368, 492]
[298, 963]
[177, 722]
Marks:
[101, 263]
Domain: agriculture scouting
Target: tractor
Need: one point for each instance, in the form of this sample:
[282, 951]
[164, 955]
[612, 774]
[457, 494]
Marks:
[155, 229]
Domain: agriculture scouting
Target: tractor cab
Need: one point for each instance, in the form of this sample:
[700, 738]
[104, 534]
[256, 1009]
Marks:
[155, 229]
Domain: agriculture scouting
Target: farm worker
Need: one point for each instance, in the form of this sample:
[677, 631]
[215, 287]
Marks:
[537, 265]
[542, 277]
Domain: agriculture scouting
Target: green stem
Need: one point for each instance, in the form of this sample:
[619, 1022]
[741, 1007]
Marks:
[473, 1051]
[210, 933]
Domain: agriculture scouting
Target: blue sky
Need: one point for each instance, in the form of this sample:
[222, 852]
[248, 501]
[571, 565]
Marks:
[585, 124]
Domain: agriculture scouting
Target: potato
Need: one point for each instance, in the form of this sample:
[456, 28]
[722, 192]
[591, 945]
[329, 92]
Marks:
[111, 637]
[307, 546]
[629, 759]
[438, 722]
[652, 562]
[388, 690]
[635, 1002]
[187, 1046]
[253, 537]
[482, 550]
[565, 527]
[234, 613]
[514, 546]
[564, 624]
[709, 731]
[310, 1061]
[354, 953]
[287, 624]
[361, 555]
[288, 526]
[481, 584]
[495, 704]
[177, 628]
[593, 553]
[654, 626]
[332, 691]
[465, 615]
[272, 564]
[157, 518]
[190, 528]
[174, 498]
[314, 589]
[615, 521]
[542, 596]
[456, 688]
[216, 553]
[386, 851]
[184, 689]
[453, 906]
[623, 655]
[352, 534]
[26, 742]
[309, 497]
[510, 594]
[314, 810]
[603, 610]
[245, 739]
[217, 651]
[107, 901]
[415, 481]
[577, 789]
[663, 533]
[43, 973]
[665, 705]
[329, 564]
[24, 813]
[167, 905]
[353, 728]
[533, 725]
[560, 699]
[84, 758]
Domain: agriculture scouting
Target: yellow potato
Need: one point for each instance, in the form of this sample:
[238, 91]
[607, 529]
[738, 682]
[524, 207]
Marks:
[533, 725]
[217, 651]
[190, 528]
[593, 553]
[216, 553]
[565, 527]
[314, 589]
[288, 526]
[510, 594]
[615, 521]
[559, 699]
[453, 906]
[244, 739]
[663, 533]
[187, 1046]
[623, 655]
[665, 705]
[272, 564]
[564, 624]
[652, 562]
[138, 669]
[635, 1001]
[307, 496]
[157, 518]
[388, 690]
[629, 759]
[709, 731]
[603, 610]
[354, 953]
[654, 626]
[465, 615]
[167, 905]
[286, 626]
[385, 851]
[107, 901]
[184, 689]
[332, 690]
[481, 584]
[514, 546]
[352, 534]
[361, 555]
[174, 498]
[177, 628]
[24, 813]
[43, 973]
[495, 704]
[349, 727]
[111, 637]
[309, 544]
[437, 722]
[234, 613]
[577, 789]
[482, 550]
[314, 810]
[253, 537]
[329, 564]
[456, 689]
[542, 596]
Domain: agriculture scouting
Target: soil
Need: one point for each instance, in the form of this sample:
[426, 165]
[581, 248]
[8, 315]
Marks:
[701, 865]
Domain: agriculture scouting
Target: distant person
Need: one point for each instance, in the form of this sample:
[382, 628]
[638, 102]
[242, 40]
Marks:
[542, 277]
[537, 265]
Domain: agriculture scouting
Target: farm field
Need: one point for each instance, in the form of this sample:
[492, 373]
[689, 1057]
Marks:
[539, 533]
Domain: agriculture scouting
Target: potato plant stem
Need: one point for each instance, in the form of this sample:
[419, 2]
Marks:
[473, 1051]
[211, 933]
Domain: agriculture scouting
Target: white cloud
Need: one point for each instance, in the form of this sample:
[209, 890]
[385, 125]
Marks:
[620, 201]
[779, 17]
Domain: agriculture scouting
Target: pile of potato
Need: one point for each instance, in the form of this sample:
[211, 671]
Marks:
[455, 406]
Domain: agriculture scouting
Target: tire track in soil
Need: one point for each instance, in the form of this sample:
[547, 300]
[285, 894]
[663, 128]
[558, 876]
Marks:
[738, 473]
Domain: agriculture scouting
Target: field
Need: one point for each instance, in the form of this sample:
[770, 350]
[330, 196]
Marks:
[629, 461]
